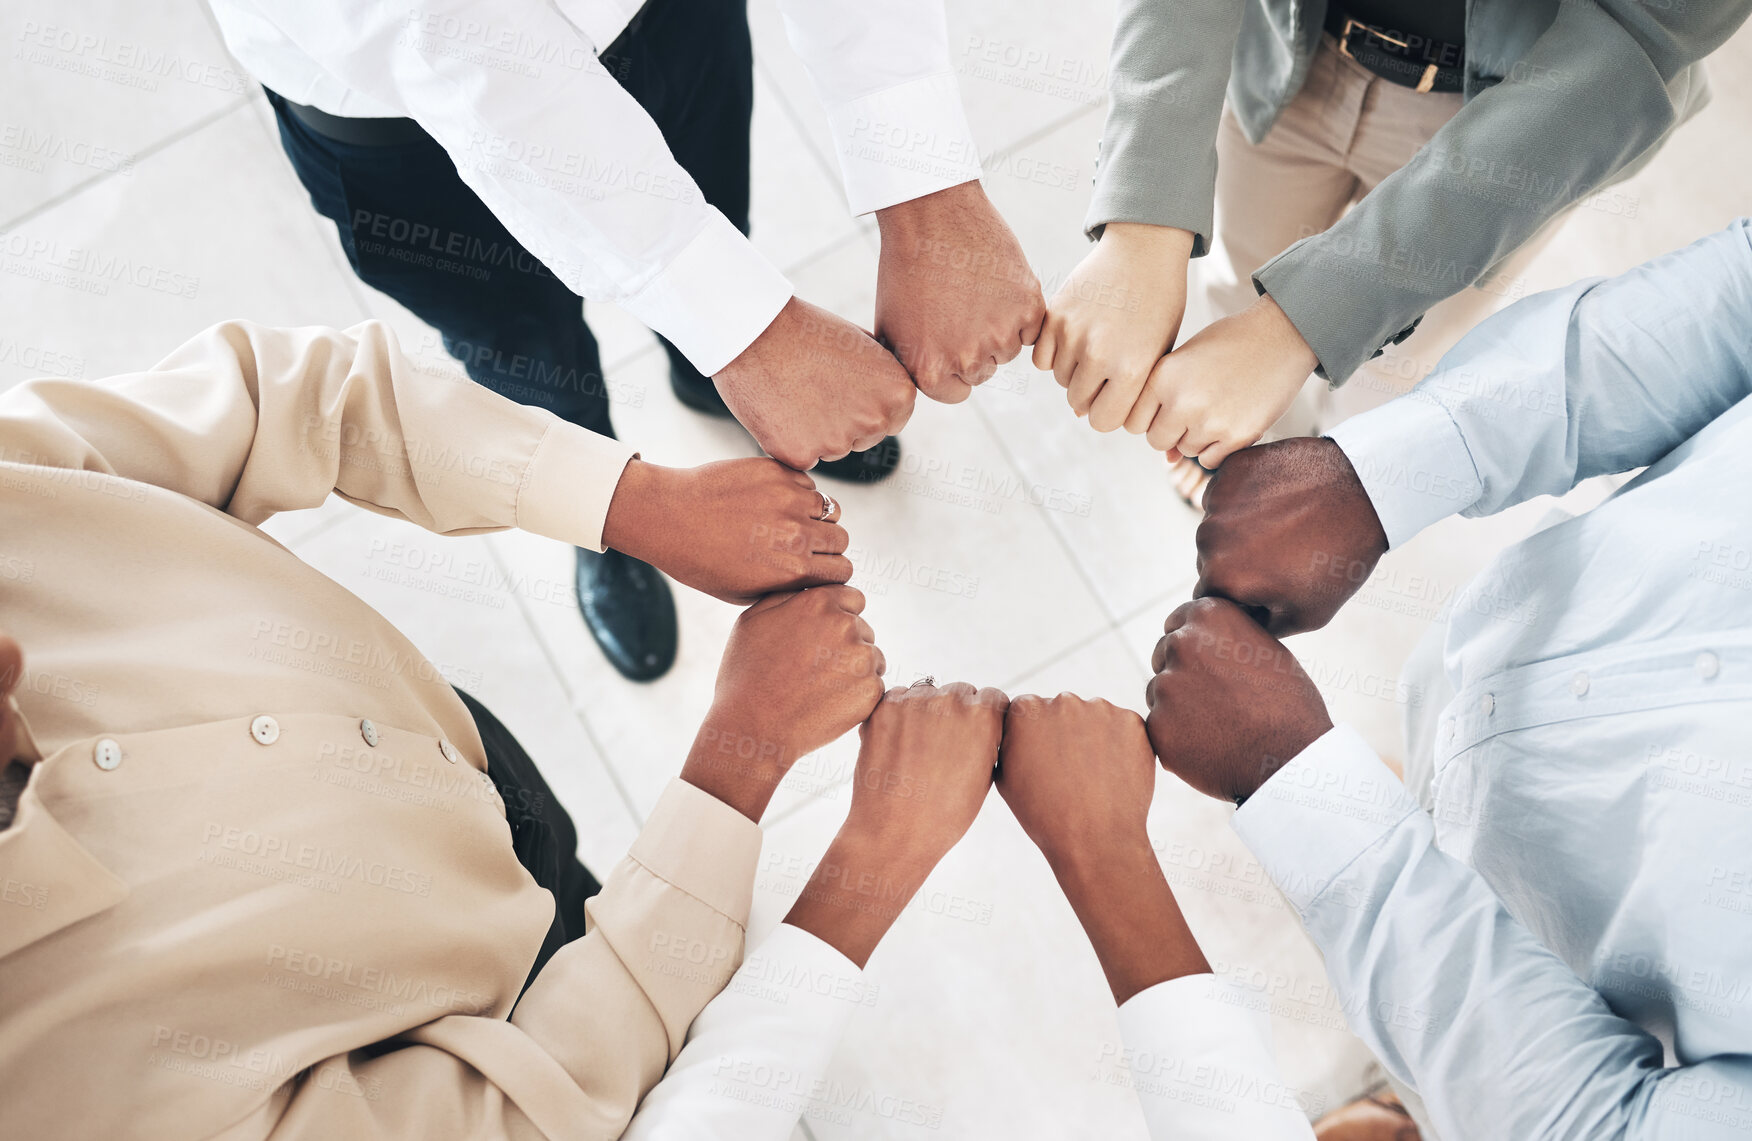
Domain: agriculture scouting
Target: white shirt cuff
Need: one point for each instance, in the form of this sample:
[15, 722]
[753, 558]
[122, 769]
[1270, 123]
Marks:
[714, 298]
[1413, 462]
[1320, 812]
[1198, 1054]
[903, 142]
[755, 1057]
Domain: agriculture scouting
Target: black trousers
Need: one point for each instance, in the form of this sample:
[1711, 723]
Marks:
[542, 834]
[503, 314]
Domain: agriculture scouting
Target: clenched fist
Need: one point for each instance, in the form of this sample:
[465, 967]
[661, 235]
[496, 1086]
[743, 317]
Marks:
[736, 529]
[799, 671]
[816, 387]
[955, 297]
[924, 767]
[1078, 775]
[1222, 389]
[1289, 533]
[1115, 317]
[1229, 706]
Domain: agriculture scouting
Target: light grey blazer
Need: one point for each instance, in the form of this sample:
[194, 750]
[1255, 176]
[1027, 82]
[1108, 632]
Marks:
[1573, 93]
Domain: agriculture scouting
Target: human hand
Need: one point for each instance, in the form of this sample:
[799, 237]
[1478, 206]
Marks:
[813, 386]
[1288, 533]
[1079, 777]
[736, 529]
[1229, 706]
[800, 670]
[954, 295]
[1223, 388]
[1114, 318]
[924, 766]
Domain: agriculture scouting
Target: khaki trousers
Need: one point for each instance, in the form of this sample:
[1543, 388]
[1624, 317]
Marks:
[1345, 132]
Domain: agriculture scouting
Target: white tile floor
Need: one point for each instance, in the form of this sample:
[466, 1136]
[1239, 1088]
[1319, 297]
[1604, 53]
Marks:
[991, 1008]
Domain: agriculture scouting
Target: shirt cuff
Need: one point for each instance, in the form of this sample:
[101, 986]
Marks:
[570, 483]
[701, 845]
[756, 1055]
[903, 142]
[1320, 812]
[1198, 1055]
[1413, 462]
[1337, 299]
[714, 298]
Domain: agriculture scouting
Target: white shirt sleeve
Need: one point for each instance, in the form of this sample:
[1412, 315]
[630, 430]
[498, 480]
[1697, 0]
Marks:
[884, 74]
[562, 155]
[1605, 375]
[755, 1058]
[1198, 1055]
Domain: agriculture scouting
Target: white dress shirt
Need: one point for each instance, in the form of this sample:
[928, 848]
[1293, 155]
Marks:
[575, 168]
[1196, 1052]
[1565, 949]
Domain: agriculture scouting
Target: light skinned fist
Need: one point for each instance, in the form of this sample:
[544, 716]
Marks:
[955, 297]
[924, 765]
[736, 529]
[1114, 318]
[800, 670]
[1078, 775]
[813, 386]
[1289, 533]
[1229, 705]
[1223, 388]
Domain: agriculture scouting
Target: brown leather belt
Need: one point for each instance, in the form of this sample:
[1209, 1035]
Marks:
[1399, 57]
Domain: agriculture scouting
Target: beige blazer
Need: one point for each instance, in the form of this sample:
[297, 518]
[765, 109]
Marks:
[259, 884]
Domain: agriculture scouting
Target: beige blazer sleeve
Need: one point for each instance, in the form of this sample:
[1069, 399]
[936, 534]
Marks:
[254, 420]
[598, 1027]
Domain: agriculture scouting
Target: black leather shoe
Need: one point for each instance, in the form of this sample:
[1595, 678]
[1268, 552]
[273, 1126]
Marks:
[693, 388]
[699, 393]
[630, 612]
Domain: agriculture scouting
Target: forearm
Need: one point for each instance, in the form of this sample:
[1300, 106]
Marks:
[1129, 912]
[857, 891]
[1168, 68]
[1490, 177]
[886, 79]
[255, 420]
[1445, 987]
[1602, 376]
[756, 1055]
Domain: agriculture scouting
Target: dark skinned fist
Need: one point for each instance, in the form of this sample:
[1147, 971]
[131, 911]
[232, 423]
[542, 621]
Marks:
[1289, 534]
[1229, 706]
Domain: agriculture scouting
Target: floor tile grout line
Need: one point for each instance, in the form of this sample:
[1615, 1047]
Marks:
[139, 157]
[571, 696]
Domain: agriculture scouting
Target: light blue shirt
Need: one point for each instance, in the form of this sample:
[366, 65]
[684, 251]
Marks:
[1565, 949]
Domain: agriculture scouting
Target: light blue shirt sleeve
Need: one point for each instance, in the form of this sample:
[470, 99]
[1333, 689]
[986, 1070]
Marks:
[1499, 1037]
[1603, 376]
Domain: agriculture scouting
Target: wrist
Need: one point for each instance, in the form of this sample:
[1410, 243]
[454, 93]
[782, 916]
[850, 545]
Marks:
[738, 762]
[903, 215]
[635, 508]
[856, 893]
[1149, 238]
[1291, 345]
[1131, 917]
